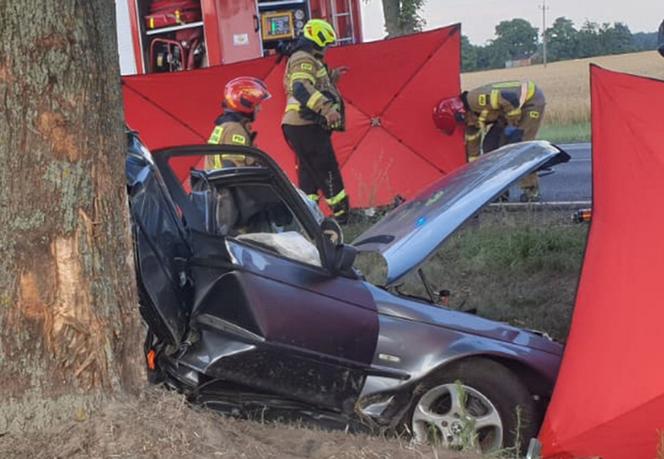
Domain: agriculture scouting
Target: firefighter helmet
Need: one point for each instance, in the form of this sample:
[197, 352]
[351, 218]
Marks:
[320, 32]
[447, 113]
[244, 94]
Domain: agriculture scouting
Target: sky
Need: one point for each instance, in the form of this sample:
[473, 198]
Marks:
[478, 18]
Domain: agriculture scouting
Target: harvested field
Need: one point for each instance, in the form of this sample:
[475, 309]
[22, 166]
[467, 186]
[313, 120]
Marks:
[566, 84]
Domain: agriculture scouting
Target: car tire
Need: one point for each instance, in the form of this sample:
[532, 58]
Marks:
[484, 415]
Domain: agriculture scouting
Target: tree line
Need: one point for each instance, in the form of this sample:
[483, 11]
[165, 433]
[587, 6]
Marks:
[517, 39]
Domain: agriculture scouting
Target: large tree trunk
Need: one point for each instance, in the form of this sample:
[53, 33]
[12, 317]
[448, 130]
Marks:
[68, 319]
[402, 17]
[392, 15]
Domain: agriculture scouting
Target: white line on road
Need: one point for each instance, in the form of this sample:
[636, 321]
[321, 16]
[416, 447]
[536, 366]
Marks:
[575, 146]
[543, 204]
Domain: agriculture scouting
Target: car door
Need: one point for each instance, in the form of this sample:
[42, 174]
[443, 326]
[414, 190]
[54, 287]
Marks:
[266, 320]
[160, 247]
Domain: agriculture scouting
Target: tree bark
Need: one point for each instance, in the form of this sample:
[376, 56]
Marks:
[392, 15]
[68, 316]
[402, 17]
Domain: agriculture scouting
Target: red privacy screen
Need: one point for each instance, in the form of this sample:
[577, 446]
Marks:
[609, 399]
[391, 145]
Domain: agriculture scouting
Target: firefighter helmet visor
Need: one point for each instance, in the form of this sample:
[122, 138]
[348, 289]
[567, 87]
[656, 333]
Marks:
[245, 94]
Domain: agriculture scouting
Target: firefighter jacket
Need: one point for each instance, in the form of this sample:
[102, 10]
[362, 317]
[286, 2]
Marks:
[511, 103]
[311, 93]
[231, 128]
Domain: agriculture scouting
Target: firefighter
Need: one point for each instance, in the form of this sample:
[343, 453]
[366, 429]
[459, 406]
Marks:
[495, 115]
[314, 109]
[242, 99]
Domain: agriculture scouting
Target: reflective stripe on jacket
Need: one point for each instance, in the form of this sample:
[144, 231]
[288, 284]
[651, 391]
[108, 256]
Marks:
[500, 100]
[229, 132]
[306, 81]
[510, 102]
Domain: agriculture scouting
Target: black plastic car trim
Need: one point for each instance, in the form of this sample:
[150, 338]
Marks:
[161, 158]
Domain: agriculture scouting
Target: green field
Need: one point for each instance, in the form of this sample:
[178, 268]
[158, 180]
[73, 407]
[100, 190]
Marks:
[520, 267]
[565, 133]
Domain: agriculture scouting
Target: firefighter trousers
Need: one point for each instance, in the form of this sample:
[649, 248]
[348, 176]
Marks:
[317, 166]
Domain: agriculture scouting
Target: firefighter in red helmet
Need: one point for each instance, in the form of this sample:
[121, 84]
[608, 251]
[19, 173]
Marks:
[242, 99]
[495, 115]
[314, 109]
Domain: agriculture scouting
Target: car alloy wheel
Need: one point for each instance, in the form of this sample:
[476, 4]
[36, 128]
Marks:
[457, 416]
[475, 403]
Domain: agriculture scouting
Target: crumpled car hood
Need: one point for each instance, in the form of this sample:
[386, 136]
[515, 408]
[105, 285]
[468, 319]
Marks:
[412, 232]
[411, 310]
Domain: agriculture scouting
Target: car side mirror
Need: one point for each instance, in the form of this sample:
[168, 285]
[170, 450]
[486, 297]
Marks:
[332, 231]
[344, 257]
[340, 257]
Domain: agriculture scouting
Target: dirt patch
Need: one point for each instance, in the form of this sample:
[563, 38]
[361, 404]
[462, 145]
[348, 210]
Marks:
[161, 424]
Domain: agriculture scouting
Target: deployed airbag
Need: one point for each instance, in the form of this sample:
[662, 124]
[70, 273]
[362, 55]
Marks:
[290, 244]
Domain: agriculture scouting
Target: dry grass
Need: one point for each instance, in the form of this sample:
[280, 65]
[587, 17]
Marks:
[566, 84]
[160, 424]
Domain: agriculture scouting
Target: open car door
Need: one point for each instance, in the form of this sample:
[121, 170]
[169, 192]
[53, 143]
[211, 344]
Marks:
[160, 247]
[268, 310]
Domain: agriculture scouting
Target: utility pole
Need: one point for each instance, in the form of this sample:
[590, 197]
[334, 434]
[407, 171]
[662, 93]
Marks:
[544, 8]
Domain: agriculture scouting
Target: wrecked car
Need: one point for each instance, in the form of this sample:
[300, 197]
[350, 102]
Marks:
[251, 307]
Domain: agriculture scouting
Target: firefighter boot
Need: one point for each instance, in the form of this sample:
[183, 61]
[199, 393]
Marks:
[530, 189]
[529, 194]
[340, 207]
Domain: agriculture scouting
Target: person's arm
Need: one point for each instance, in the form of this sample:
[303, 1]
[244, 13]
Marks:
[337, 73]
[479, 105]
[473, 142]
[302, 80]
[511, 112]
[228, 134]
[235, 135]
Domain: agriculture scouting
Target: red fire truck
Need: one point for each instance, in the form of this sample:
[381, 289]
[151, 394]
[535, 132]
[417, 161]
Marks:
[172, 35]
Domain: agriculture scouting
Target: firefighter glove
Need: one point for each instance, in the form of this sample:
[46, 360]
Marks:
[333, 118]
[335, 74]
[513, 134]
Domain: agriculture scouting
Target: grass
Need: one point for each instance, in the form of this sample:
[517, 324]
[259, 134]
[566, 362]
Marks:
[565, 133]
[520, 267]
[566, 86]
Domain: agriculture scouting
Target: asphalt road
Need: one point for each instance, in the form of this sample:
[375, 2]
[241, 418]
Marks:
[569, 182]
